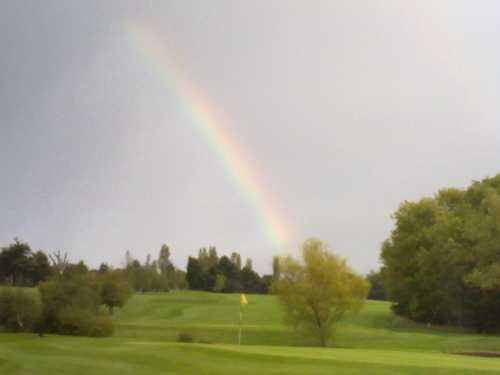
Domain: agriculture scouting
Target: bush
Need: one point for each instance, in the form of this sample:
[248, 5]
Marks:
[66, 296]
[19, 309]
[185, 337]
[102, 327]
[71, 307]
[75, 321]
[79, 322]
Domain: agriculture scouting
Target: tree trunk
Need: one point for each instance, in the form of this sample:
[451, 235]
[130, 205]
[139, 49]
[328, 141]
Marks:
[19, 321]
[322, 338]
[319, 323]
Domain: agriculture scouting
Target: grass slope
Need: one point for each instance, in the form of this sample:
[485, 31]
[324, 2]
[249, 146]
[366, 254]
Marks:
[213, 318]
[375, 342]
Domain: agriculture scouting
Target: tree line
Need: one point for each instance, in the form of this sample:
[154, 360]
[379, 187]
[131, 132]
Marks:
[21, 266]
[158, 275]
[225, 274]
[71, 296]
[69, 302]
[440, 265]
[315, 291]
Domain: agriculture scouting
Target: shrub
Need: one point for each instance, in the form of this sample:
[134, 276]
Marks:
[185, 337]
[102, 327]
[61, 294]
[79, 322]
[75, 321]
[19, 309]
[71, 307]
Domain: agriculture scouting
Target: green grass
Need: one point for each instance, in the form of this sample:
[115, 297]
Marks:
[372, 342]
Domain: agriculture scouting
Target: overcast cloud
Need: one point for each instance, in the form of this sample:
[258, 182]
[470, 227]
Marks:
[348, 107]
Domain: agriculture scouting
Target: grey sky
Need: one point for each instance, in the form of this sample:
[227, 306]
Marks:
[348, 108]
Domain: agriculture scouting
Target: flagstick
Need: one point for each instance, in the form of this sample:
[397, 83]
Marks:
[241, 323]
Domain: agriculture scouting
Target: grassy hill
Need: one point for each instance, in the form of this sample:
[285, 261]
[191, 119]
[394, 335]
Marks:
[374, 341]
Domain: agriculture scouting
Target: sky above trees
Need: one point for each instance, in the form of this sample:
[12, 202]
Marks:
[345, 109]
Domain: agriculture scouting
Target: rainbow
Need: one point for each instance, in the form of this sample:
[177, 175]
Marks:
[212, 126]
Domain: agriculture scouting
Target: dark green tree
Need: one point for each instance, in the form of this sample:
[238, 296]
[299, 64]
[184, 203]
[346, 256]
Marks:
[236, 259]
[441, 262]
[164, 263]
[15, 262]
[114, 290]
[250, 280]
[231, 273]
[194, 274]
[103, 268]
[377, 290]
[41, 269]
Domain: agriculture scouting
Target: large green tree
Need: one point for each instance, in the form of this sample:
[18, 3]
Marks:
[15, 264]
[41, 269]
[114, 290]
[317, 290]
[250, 280]
[19, 266]
[194, 274]
[441, 262]
[164, 263]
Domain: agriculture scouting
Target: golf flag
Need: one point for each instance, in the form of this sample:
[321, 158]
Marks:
[243, 300]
